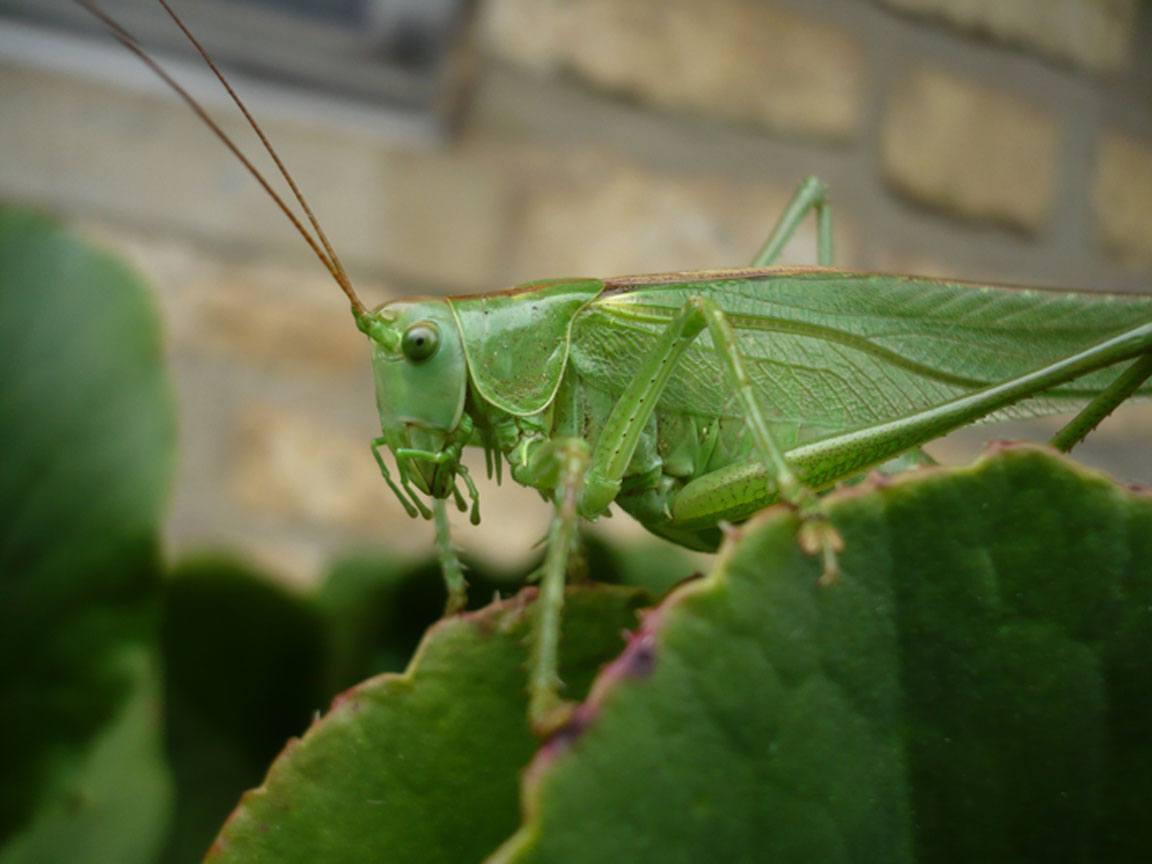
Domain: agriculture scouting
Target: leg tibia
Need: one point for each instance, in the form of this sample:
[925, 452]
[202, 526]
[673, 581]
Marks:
[1077, 429]
[810, 194]
[449, 561]
[546, 710]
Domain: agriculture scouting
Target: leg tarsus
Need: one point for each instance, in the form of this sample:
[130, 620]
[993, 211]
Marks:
[409, 508]
[818, 536]
[473, 495]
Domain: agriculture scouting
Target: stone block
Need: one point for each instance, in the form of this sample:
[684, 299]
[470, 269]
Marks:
[292, 464]
[275, 319]
[1091, 34]
[747, 61]
[593, 214]
[1122, 198]
[970, 149]
[288, 319]
[296, 468]
[437, 216]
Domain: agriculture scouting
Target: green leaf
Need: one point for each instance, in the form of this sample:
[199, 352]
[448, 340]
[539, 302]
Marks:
[244, 663]
[86, 417]
[976, 688]
[423, 766]
[113, 803]
[378, 609]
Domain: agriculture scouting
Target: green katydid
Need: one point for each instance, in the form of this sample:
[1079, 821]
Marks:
[695, 399]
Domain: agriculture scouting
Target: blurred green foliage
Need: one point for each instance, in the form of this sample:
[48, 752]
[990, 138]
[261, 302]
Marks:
[86, 416]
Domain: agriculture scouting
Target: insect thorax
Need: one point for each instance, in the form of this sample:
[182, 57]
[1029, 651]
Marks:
[674, 449]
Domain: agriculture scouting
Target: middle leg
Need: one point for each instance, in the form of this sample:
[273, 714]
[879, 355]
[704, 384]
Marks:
[621, 432]
[546, 710]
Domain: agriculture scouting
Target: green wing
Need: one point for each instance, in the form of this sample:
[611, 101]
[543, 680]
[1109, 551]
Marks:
[833, 351]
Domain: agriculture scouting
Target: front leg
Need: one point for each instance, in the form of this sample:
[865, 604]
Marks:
[454, 581]
[568, 459]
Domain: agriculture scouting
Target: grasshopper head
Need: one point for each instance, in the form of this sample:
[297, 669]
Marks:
[421, 380]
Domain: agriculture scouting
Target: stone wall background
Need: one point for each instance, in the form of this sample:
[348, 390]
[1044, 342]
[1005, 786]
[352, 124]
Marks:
[1006, 140]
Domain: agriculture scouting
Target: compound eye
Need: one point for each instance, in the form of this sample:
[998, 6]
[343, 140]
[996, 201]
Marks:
[420, 341]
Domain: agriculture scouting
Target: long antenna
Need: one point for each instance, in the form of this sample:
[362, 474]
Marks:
[326, 255]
